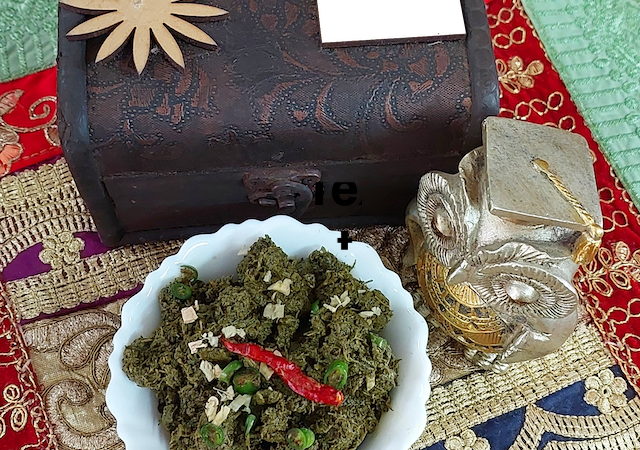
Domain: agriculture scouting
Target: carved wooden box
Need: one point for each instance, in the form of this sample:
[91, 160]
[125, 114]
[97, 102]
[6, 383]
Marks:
[249, 129]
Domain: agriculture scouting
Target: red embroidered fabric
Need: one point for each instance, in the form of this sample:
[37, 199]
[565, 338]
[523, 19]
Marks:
[28, 130]
[532, 90]
[23, 421]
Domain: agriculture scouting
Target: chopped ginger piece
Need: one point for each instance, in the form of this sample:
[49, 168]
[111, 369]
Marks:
[267, 277]
[273, 312]
[239, 402]
[371, 380]
[330, 308]
[211, 408]
[231, 331]
[221, 416]
[337, 302]
[195, 345]
[210, 371]
[228, 394]
[375, 311]
[266, 371]
[283, 286]
[211, 339]
[189, 314]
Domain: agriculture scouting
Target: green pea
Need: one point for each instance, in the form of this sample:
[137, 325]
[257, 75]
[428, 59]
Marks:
[300, 438]
[212, 435]
[181, 291]
[336, 375]
[315, 307]
[378, 341]
[246, 381]
[189, 272]
[249, 423]
[229, 370]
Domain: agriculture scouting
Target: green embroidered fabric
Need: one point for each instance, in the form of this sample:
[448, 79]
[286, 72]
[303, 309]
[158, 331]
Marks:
[29, 37]
[595, 46]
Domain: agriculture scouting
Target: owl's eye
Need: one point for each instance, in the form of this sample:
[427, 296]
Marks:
[442, 224]
[521, 292]
[441, 215]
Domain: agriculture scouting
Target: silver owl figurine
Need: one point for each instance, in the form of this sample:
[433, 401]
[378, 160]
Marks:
[497, 244]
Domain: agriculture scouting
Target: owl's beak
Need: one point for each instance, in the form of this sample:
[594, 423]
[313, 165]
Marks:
[458, 273]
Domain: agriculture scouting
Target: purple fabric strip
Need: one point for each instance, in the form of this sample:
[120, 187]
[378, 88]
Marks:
[27, 263]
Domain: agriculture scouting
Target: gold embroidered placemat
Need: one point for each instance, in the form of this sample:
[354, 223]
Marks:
[479, 397]
[69, 352]
[69, 355]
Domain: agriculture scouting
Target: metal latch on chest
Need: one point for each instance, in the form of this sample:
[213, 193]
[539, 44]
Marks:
[290, 189]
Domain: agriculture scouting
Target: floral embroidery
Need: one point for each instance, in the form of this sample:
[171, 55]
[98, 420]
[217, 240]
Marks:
[467, 440]
[514, 76]
[70, 354]
[9, 153]
[535, 107]
[52, 135]
[24, 422]
[605, 391]
[61, 249]
[618, 268]
[10, 147]
[14, 403]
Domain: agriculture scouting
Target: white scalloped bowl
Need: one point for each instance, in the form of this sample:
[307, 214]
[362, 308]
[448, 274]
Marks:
[216, 255]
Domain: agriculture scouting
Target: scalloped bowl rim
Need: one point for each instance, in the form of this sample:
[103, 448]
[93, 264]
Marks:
[215, 255]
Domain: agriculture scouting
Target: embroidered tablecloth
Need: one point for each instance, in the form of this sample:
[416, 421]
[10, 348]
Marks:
[62, 292]
[28, 130]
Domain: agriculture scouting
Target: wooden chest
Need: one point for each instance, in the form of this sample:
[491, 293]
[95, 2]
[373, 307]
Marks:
[268, 123]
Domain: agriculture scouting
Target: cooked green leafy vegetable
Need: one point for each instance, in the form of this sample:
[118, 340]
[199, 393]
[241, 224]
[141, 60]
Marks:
[313, 312]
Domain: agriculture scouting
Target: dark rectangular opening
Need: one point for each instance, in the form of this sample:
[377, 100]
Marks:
[361, 22]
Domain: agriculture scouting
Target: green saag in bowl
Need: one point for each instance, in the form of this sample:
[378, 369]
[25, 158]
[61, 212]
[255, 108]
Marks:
[285, 355]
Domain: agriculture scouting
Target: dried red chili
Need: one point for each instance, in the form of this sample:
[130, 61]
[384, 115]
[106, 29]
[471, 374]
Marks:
[290, 373]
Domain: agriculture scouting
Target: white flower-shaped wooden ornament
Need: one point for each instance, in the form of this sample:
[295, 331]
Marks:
[121, 18]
